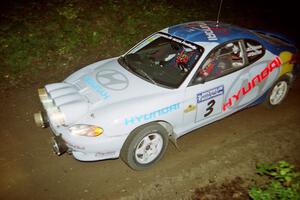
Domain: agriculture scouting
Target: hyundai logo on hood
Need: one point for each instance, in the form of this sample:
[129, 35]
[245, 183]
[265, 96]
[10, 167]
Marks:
[112, 79]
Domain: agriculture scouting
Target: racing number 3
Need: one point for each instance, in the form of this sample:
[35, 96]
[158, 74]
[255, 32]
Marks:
[210, 108]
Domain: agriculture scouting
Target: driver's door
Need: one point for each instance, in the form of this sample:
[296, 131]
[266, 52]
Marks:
[205, 98]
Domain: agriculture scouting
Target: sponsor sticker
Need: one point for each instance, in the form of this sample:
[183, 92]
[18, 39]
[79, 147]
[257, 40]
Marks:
[152, 115]
[96, 87]
[255, 81]
[211, 36]
[209, 94]
[190, 108]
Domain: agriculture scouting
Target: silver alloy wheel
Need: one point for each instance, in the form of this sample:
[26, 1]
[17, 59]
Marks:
[149, 148]
[278, 93]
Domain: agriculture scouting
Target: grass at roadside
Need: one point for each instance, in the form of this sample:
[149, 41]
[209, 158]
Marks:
[53, 38]
[278, 180]
[46, 40]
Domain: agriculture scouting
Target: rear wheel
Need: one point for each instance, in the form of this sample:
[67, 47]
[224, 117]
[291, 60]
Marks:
[277, 93]
[145, 146]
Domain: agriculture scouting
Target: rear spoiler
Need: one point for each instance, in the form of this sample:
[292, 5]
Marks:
[277, 35]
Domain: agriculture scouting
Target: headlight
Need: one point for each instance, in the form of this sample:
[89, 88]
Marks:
[86, 130]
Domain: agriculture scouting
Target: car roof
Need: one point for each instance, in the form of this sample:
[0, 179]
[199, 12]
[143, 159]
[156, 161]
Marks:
[209, 31]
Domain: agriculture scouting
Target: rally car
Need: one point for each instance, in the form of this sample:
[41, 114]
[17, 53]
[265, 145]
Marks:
[174, 81]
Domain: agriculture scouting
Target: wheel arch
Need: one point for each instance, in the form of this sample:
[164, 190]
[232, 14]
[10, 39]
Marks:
[287, 76]
[166, 125]
[170, 130]
[127, 147]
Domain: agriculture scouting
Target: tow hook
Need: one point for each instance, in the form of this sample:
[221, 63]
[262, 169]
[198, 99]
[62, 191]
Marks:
[41, 119]
[59, 145]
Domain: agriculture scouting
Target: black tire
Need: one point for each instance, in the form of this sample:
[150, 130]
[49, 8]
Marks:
[275, 96]
[150, 137]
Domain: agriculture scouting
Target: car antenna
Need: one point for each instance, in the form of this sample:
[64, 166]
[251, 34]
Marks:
[219, 13]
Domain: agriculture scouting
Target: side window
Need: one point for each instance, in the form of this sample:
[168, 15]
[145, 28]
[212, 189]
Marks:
[254, 50]
[221, 61]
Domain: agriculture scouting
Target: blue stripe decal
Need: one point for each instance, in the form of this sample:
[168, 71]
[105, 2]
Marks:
[96, 87]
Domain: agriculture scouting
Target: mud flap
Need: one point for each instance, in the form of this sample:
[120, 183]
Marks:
[173, 139]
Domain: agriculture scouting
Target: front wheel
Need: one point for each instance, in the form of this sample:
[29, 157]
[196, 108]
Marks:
[145, 146]
[277, 93]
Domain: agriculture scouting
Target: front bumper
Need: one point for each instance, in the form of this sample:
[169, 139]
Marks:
[86, 148]
[83, 148]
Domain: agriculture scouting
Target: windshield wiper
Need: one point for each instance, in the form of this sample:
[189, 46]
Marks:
[140, 71]
[146, 75]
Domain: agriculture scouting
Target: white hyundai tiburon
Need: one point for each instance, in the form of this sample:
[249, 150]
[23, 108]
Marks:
[176, 80]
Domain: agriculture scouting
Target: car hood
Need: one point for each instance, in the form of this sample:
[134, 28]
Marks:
[101, 84]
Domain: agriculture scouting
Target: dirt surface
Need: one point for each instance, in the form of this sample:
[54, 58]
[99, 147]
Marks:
[216, 153]
[234, 189]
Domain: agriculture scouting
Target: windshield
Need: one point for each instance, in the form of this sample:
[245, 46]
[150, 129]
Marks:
[162, 60]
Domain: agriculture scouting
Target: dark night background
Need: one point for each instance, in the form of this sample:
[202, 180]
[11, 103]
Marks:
[35, 34]
[281, 16]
